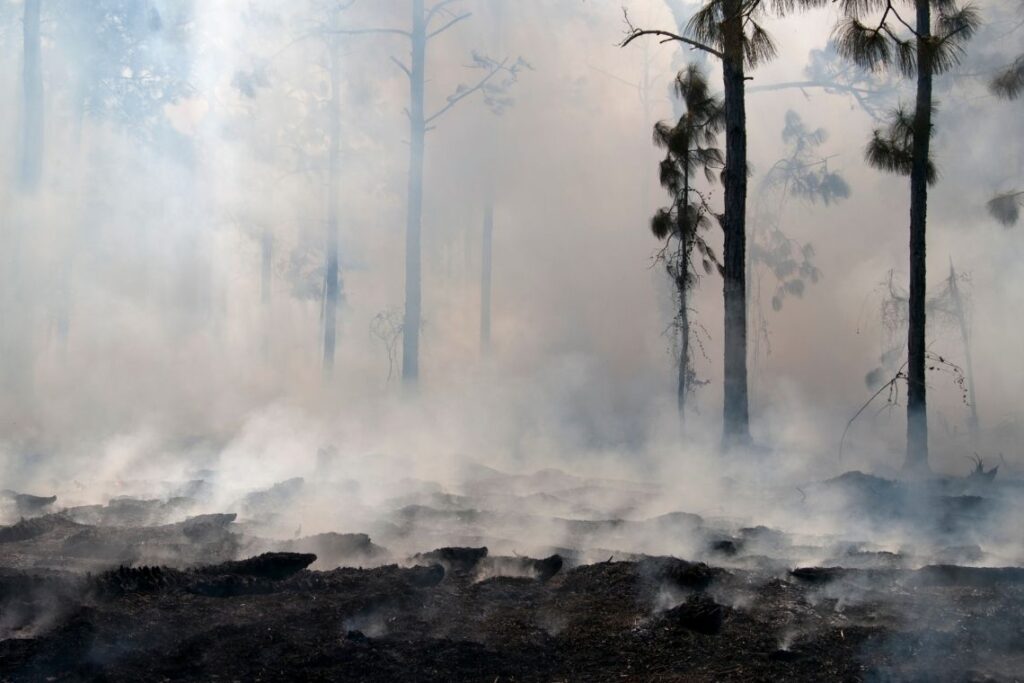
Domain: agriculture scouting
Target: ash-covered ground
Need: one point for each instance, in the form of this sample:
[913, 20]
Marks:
[543, 576]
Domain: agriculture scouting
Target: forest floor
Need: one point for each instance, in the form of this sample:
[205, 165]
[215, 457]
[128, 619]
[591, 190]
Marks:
[107, 593]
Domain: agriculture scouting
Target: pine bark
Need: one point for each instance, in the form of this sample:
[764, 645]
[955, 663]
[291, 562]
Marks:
[917, 414]
[736, 420]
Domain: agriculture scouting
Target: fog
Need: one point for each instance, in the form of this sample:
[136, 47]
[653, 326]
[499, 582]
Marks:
[143, 342]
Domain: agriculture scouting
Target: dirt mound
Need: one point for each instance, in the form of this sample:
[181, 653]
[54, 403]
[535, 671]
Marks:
[28, 529]
[698, 613]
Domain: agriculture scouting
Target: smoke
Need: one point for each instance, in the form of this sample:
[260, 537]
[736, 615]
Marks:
[140, 349]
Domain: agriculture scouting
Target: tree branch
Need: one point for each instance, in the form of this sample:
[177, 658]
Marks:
[401, 66]
[451, 23]
[801, 85]
[668, 37]
[432, 12]
[455, 99]
[364, 31]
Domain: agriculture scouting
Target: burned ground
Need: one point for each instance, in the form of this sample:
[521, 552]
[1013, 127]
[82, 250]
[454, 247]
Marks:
[80, 601]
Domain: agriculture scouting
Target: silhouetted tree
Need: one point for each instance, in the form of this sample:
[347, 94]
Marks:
[804, 174]
[332, 276]
[1008, 85]
[729, 30]
[830, 73]
[948, 306]
[689, 148]
[928, 46]
[427, 24]
[30, 140]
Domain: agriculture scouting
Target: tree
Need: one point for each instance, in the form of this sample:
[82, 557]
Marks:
[828, 72]
[332, 277]
[30, 147]
[948, 307]
[312, 139]
[804, 174]
[420, 121]
[689, 147]
[1008, 85]
[125, 61]
[729, 31]
[497, 98]
[928, 47]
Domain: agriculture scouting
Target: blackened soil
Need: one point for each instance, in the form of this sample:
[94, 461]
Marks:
[655, 619]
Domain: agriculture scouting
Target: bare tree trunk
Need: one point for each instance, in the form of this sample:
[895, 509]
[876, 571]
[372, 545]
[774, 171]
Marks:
[917, 414]
[19, 291]
[973, 425]
[485, 279]
[414, 212]
[735, 428]
[331, 275]
[683, 385]
[683, 321]
[30, 148]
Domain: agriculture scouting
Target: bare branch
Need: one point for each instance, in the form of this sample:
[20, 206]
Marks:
[889, 9]
[667, 36]
[455, 99]
[401, 66]
[432, 12]
[366, 31]
[451, 23]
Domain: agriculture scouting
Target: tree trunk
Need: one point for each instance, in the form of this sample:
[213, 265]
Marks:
[30, 148]
[414, 212]
[683, 319]
[735, 427]
[683, 386]
[485, 279]
[331, 275]
[917, 415]
[973, 425]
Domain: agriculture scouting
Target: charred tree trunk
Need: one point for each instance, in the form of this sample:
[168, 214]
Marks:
[917, 415]
[331, 274]
[414, 211]
[735, 428]
[30, 149]
[485, 279]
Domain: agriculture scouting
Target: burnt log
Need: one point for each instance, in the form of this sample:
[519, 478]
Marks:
[273, 566]
[454, 559]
